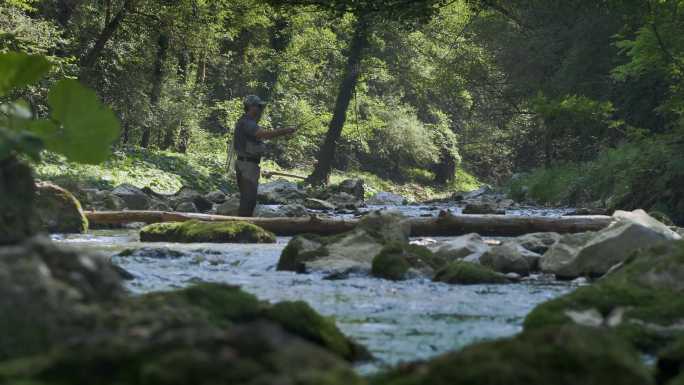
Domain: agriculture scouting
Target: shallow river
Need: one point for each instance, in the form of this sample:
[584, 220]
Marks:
[397, 321]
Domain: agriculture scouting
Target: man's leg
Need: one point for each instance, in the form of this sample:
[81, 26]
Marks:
[248, 183]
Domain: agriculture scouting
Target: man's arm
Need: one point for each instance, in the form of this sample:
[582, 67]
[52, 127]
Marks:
[263, 134]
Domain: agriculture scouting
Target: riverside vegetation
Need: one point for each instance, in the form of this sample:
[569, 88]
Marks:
[125, 105]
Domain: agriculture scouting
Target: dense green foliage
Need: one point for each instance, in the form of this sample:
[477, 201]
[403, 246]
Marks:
[585, 95]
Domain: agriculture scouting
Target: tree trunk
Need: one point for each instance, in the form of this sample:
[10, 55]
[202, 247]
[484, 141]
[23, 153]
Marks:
[447, 225]
[327, 151]
[157, 82]
[91, 57]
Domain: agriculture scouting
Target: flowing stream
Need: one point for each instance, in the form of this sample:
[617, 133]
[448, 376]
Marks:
[397, 321]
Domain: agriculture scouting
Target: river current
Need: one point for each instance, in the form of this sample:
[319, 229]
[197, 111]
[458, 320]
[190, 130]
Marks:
[397, 321]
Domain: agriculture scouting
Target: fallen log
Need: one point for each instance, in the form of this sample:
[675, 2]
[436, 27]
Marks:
[446, 225]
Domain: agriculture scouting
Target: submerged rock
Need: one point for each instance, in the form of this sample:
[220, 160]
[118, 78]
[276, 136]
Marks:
[58, 211]
[558, 356]
[642, 301]
[210, 232]
[468, 273]
[595, 254]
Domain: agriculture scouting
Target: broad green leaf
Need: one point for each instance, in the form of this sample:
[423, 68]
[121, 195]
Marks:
[86, 128]
[19, 69]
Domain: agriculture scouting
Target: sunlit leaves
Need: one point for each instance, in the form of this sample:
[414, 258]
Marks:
[80, 127]
[86, 128]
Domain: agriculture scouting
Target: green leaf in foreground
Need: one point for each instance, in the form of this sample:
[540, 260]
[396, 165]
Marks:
[86, 128]
[19, 69]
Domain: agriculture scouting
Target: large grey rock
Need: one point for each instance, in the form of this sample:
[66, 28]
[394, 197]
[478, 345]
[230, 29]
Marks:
[469, 247]
[134, 197]
[594, 255]
[318, 204]
[537, 242]
[353, 187]
[216, 197]
[229, 207]
[187, 195]
[351, 252]
[57, 210]
[343, 200]
[280, 192]
[511, 257]
[186, 207]
[285, 211]
[386, 199]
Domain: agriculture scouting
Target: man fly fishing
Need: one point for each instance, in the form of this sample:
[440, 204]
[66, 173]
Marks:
[248, 144]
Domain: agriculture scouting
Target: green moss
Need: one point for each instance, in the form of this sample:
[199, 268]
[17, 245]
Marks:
[467, 273]
[391, 263]
[212, 232]
[647, 290]
[300, 319]
[395, 260]
[301, 249]
[558, 356]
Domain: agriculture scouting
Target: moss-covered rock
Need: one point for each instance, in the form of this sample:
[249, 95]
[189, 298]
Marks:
[396, 260]
[58, 211]
[568, 355]
[643, 301]
[300, 319]
[200, 232]
[49, 294]
[17, 193]
[468, 273]
[350, 252]
[251, 353]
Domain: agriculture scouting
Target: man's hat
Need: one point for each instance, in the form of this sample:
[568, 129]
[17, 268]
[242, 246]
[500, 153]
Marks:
[253, 100]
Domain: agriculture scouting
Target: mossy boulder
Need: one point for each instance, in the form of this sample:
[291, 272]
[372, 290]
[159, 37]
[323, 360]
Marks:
[49, 294]
[468, 273]
[350, 252]
[58, 211]
[568, 355]
[300, 319]
[396, 260]
[250, 353]
[642, 302]
[17, 194]
[206, 232]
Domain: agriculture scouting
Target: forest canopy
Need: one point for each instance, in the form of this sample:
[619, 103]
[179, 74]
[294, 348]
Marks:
[579, 101]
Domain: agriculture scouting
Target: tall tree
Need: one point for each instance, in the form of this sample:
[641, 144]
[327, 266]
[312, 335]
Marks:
[366, 12]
